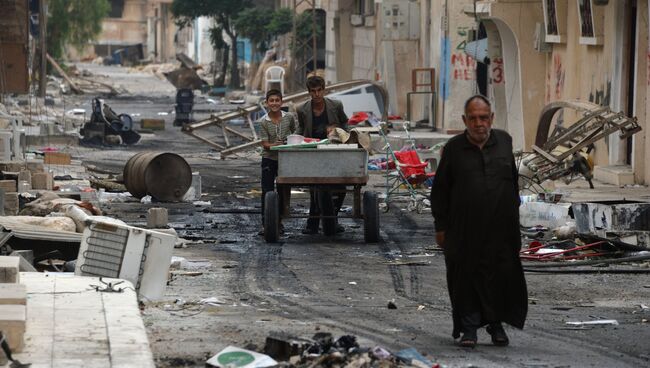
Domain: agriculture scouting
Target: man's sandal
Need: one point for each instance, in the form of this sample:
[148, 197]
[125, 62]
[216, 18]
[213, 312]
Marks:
[468, 340]
[499, 337]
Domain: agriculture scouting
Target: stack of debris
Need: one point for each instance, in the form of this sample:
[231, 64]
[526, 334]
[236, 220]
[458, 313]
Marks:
[320, 351]
[557, 235]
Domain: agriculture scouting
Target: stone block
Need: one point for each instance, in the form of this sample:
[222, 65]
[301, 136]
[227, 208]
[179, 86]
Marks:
[11, 204]
[35, 165]
[24, 186]
[614, 174]
[13, 294]
[42, 181]
[157, 217]
[12, 324]
[9, 270]
[8, 185]
[25, 175]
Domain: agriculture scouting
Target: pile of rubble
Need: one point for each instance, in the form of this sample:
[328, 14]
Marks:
[322, 350]
[584, 237]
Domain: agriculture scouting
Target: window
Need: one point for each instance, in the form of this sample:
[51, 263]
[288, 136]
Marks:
[117, 8]
[591, 22]
[364, 7]
[586, 18]
[554, 21]
[551, 18]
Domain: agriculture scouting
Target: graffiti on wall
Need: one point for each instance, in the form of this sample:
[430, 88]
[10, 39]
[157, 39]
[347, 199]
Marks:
[498, 75]
[462, 32]
[601, 96]
[445, 74]
[464, 66]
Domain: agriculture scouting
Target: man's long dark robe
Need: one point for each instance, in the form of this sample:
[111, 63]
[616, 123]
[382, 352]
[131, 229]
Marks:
[475, 200]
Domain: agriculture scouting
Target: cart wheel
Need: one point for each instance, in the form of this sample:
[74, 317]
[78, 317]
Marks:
[327, 209]
[371, 217]
[271, 217]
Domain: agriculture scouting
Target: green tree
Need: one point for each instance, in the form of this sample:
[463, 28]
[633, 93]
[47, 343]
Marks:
[74, 22]
[223, 12]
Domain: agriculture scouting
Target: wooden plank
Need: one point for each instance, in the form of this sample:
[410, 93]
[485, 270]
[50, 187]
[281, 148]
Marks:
[58, 68]
[205, 140]
[241, 147]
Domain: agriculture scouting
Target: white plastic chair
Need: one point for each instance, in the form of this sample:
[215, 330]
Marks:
[274, 74]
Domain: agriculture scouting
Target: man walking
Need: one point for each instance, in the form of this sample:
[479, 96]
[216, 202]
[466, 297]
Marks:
[314, 116]
[475, 205]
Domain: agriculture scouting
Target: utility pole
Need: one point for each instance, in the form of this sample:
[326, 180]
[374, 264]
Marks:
[42, 25]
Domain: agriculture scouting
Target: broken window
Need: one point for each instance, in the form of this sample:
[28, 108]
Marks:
[117, 9]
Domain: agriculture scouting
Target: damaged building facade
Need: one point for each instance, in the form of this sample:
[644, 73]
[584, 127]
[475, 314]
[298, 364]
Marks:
[589, 50]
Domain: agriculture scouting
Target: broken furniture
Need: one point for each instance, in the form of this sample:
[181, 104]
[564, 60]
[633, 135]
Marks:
[251, 140]
[561, 154]
[106, 125]
[126, 252]
[404, 171]
[320, 169]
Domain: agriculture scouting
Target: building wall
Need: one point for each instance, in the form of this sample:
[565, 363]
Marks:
[517, 70]
[455, 70]
[575, 70]
[130, 29]
[641, 148]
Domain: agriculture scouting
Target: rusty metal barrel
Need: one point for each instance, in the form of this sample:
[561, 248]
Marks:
[164, 176]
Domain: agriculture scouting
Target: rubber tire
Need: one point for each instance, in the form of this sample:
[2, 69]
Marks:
[271, 217]
[327, 209]
[371, 217]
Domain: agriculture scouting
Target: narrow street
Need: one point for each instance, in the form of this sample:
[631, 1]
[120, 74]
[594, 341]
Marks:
[308, 284]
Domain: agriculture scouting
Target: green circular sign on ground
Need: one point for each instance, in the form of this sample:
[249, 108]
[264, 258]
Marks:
[236, 358]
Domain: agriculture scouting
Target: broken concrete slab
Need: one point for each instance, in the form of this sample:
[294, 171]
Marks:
[551, 215]
[591, 217]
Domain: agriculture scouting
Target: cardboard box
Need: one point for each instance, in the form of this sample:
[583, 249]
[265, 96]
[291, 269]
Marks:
[57, 158]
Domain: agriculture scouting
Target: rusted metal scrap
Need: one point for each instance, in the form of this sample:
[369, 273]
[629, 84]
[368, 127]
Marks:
[563, 154]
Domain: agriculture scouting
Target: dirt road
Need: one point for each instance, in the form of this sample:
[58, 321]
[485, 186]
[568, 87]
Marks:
[308, 284]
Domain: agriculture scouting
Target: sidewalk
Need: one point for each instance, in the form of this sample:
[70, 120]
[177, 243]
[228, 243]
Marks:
[69, 324]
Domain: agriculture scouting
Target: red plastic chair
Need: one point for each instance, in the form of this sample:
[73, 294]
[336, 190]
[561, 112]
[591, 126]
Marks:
[411, 167]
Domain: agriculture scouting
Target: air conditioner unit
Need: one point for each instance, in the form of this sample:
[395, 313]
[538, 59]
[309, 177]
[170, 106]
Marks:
[356, 19]
[140, 256]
